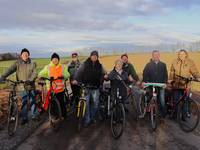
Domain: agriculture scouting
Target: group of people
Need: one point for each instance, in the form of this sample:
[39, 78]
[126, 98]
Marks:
[92, 74]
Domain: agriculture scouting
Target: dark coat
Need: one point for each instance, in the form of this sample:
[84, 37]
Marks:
[114, 76]
[155, 72]
[91, 74]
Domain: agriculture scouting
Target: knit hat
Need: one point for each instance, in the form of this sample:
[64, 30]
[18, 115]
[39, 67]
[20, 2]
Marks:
[74, 54]
[55, 55]
[94, 53]
[25, 50]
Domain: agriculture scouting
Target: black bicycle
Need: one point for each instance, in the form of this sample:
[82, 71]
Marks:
[13, 108]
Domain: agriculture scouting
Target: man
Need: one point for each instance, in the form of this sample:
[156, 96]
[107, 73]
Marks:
[128, 67]
[56, 70]
[156, 71]
[72, 69]
[25, 71]
[91, 74]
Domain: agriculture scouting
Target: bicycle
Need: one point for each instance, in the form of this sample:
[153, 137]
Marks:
[13, 110]
[186, 108]
[81, 107]
[54, 109]
[150, 105]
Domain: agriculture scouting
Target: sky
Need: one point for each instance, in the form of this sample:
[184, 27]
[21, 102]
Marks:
[69, 25]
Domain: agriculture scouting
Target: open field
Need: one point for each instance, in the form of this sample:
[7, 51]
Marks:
[139, 60]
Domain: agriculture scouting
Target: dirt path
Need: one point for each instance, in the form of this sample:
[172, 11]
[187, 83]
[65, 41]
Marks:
[137, 136]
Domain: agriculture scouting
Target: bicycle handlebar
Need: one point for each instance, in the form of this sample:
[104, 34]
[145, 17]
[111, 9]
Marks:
[148, 84]
[188, 79]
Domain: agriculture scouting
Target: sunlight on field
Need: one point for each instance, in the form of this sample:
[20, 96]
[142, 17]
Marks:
[138, 60]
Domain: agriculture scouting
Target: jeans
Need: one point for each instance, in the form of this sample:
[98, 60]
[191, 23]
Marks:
[25, 96]
[91, 106]
[137, 94]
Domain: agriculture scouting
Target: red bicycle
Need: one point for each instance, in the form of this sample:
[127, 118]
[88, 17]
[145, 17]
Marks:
[185, 109]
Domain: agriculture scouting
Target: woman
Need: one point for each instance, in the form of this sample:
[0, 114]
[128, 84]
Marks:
[182, 66]
[119, 78]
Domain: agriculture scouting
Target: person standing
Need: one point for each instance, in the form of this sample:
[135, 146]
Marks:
[91, 74]
[182, 66]
[56, 70]
[72, 69]
[25, 70]
[156, 71]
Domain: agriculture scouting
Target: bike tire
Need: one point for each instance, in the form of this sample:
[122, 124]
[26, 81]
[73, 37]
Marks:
[55, 113]
[81, 113]
[154, 116]
[117, 120]
[13, 117]
[188, 123]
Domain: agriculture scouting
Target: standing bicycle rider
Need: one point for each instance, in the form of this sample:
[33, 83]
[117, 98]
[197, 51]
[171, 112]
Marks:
[156, 71]
[129, 68]
[91, 74]
[182, 66]
[25, 70]
[55, 70]
[72, 68]
[115, 76]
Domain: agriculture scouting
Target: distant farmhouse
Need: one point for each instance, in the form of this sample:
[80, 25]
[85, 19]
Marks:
[8, 56]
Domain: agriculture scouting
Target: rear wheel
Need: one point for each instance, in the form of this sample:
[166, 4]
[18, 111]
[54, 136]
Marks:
[55, 113]
[188, 115]
[13, 114]
[117, 120]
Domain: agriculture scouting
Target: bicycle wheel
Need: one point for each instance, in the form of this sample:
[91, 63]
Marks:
[54, 112]
[188, 115]
[117, 120]
[12, 120]
[153, 114]
[81, 112]
[102, 107]
[39, 103]
[134, 106]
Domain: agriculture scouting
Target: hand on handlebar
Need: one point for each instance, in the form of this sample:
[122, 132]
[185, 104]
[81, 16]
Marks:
[74, 82]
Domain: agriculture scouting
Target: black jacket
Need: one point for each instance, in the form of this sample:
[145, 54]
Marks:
[114, 76]
[91, 74]
[155, 72]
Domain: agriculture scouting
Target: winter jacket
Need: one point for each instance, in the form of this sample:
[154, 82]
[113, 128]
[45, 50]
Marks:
[185, 68]
[155, 72]
[72, 68]
[45, 73]
[114, 77]
[24, 71]
[91, 74]
[128, 67]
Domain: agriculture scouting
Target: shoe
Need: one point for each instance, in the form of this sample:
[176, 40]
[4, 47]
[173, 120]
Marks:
[93, 121]
[24, 121]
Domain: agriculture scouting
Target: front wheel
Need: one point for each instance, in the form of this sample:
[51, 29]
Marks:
[117, 120]
[153, 115]
[54, 113]
[81, 112]
[12, 120]
[188, 115]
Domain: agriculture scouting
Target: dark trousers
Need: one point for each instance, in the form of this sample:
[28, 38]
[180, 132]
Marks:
[76, 91]
[61, 98]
